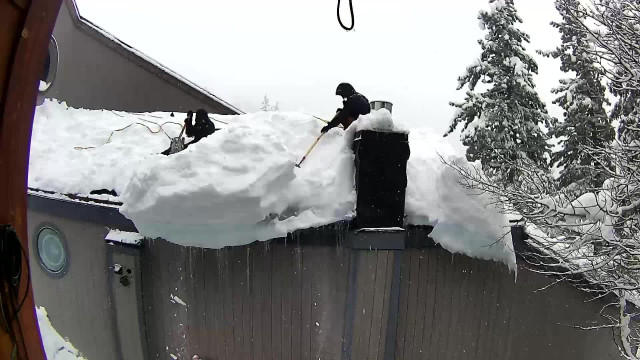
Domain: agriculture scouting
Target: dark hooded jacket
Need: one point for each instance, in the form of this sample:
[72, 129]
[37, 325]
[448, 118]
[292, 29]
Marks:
[203, 126]
[352, 107]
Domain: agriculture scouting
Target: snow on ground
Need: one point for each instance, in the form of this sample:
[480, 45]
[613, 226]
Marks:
[240, 184]
[55, 346]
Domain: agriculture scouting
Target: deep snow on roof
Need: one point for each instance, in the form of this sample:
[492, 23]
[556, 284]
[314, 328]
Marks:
[240, 184]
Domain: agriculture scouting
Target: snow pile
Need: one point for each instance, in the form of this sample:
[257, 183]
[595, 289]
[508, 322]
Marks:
[76, 151]
[463, 222]
[55, 346]
[241, 184]
[378, 120]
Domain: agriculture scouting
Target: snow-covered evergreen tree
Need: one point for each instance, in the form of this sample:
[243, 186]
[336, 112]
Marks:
[586, 124]
[627, 111]
[501, 125]
[266, 105]
[596, 234]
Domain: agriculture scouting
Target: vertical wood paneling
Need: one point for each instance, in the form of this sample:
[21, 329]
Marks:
[359, 319]
[286, 272]
[316, 267]
[236, 288]
[296, 303]
[412, 299]
[307, 303]
[276, 301]
[267, 302]
[405, 280]
[331, 300]
[280, 301]
[196, 310]
[428, 273]
[377, 309]
[226, 291]
[247, 308]
[421, 310]
[257, 277]
[368, 288]
[385, 303]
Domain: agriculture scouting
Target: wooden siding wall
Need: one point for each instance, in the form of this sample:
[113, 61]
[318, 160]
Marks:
[78, 303]
[279, 300]
[262, 301]
[310, 297]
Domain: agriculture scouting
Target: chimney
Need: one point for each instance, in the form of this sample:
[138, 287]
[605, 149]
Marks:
[381, 178]
[381, 104]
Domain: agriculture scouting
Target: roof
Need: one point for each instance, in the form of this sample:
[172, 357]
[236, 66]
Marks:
[137, 56]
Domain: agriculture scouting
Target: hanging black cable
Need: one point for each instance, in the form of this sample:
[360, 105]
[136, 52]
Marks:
[11, 257]
[352, 17]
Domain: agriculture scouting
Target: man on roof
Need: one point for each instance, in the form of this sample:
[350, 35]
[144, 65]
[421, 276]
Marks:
[202, 128]
[354, 104]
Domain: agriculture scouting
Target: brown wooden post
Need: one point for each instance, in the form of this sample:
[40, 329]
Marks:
[25, 29]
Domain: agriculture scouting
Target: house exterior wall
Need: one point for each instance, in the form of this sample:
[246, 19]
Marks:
[450, 306]
[85, 301]
[308, 296]
[77, 302]
[96, 73]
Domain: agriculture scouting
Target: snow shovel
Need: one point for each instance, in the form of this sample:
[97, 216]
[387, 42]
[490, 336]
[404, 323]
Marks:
[177, 143]
[321, 119]
[309, 151]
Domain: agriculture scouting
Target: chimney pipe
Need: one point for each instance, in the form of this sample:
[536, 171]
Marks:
[381, 104]
[381, 178]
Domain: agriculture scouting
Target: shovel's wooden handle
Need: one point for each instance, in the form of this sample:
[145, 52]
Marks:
[311, 148]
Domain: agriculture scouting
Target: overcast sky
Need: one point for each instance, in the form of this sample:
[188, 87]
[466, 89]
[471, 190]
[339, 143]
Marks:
[408, 52]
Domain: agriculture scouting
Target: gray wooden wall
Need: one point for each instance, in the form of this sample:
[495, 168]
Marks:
[84, 303]
[283, 301]
[309, 297]
[259, 301]
[95, 73]
[78, 303]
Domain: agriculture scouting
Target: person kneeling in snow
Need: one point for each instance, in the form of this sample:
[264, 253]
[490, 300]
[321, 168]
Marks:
[202, 128]
[354, 104]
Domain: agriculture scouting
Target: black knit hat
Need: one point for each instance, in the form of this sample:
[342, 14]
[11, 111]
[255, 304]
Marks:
[345, 90]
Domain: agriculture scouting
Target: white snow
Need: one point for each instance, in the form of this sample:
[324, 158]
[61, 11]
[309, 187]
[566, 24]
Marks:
[379, 120]
[124, 237]
[496, 5]
[462, 221]
[55, 346]
[518, 66]
[240, 184]
[177, 300]
[59, 163]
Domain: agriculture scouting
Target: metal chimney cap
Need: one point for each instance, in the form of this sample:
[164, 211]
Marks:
[381, 104]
